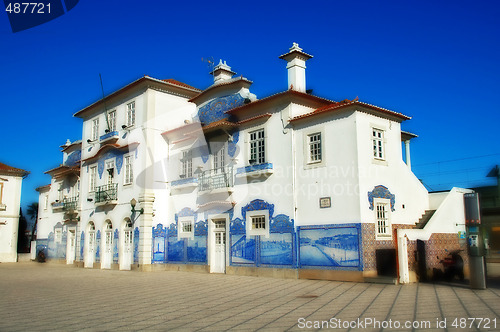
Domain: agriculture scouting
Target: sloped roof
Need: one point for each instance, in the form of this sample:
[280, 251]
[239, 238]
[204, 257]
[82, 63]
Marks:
[345, 103]
[9, 170]
[172, 81]
[291, 93]
[190, 91]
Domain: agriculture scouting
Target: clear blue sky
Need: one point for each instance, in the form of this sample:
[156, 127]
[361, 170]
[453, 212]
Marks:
[437, 61]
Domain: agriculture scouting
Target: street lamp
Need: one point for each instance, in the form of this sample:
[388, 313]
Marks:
[133, 203]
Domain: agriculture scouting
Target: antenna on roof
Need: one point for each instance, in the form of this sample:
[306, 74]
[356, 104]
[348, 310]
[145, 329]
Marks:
[210, 62]
[105, 109]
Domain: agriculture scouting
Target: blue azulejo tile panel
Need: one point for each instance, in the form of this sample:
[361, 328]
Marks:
[98, 247]
[277, 249]
[330, 246]
[175, 249]
[381, 192]
[253, 168]
[82, 245]
[159, 246]
[197, 249]
[136, 245]
[73, 158]
[115, 246]
[216, 108]
[242, 249]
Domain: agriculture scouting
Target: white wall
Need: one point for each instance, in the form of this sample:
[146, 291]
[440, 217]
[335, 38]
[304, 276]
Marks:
[392, 173]
[335, 177]
[9, 218]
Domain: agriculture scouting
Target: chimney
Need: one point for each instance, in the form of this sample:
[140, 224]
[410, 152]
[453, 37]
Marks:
[296, 65]
[222, 72]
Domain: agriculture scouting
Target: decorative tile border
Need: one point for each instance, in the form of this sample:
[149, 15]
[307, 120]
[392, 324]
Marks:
[253, 168]
[183, 181]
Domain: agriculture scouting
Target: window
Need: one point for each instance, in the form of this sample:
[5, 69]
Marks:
[110, 169]
[257, 147]
[187, 164]
[186, 226]
[219, 159]
[219, 224]
[383, 227]
[314, 141]
[92, 178]
[60, 193]
[45, 202]
[58, 235]
[95, 129]
[131, 114]
[258, 222]
[129, 173]
[112, 120]
[378, 144]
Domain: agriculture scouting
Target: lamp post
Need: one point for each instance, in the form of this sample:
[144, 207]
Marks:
[133, 203]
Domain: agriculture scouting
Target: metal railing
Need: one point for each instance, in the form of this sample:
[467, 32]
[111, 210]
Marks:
[106, 193]
[215, 179]
[70, 203]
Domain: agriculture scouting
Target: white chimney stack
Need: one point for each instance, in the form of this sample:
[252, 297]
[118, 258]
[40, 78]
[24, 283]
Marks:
[296, 65]
[222, 72]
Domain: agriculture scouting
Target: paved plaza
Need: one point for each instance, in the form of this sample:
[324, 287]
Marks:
[54, 297]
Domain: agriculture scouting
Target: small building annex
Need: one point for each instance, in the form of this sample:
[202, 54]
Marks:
[11, 179]
[292, 185]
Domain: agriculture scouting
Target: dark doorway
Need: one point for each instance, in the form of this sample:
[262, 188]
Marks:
[386, 262]
[421, 263]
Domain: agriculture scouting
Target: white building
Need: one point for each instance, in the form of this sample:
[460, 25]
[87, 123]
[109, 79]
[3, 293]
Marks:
[292, 185]
[10, 203]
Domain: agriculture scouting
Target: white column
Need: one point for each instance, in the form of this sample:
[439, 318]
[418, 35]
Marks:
[407, 153]
[146, 201]
[404, 274]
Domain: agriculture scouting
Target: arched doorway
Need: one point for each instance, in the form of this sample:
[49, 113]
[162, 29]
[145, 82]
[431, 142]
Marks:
[126, 249]
[107, 248]
[90, 245]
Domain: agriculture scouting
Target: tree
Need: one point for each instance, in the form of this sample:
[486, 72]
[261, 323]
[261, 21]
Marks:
[33, 214]
[22, 239]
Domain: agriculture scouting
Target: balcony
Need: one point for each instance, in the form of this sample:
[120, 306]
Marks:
[107, 194]
[185, 183]
[216, 180]
[111, 136]
[258, 170]
[70, 203]
[57, 205]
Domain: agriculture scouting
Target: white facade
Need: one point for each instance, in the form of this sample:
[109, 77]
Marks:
[10, 202]
[230, 183]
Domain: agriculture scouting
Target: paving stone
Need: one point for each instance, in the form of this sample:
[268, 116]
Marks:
[55, 297]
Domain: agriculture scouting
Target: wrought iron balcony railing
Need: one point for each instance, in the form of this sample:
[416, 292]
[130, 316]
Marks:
[70, 203]
[106, 193]
[216, 179]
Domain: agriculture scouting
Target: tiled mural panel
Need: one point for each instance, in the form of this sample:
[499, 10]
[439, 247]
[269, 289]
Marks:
[277, 249]
[197, 249]
[439, 246]
[330, 246]
[243, 249]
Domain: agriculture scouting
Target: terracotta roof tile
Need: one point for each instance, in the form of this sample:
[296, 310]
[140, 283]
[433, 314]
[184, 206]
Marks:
[345, 103]
[6, 169]
[172, 81]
